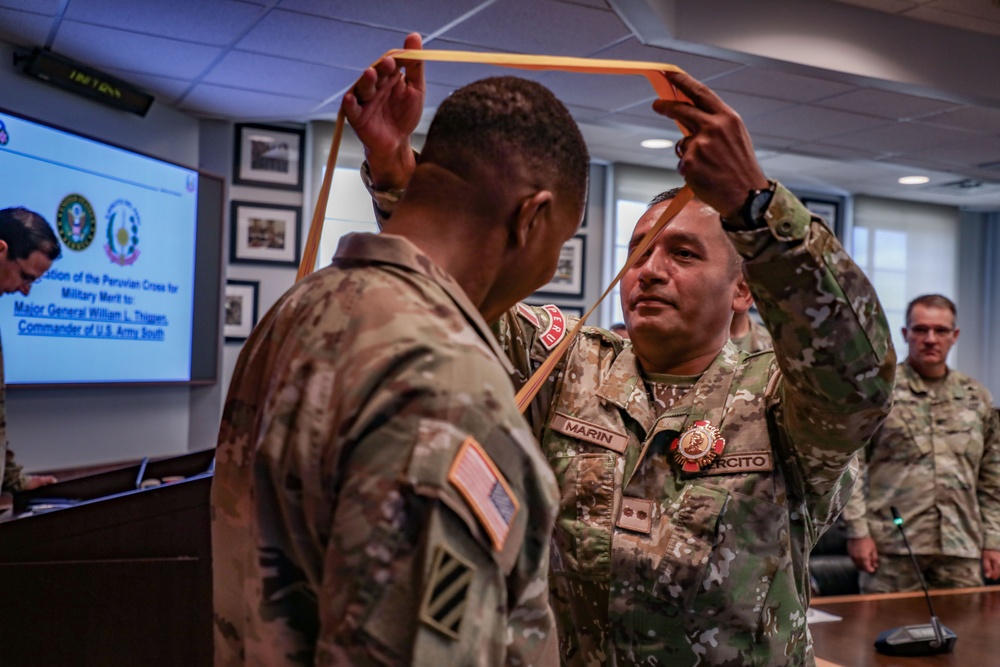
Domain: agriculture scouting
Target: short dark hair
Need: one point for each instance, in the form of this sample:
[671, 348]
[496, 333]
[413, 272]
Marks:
[735, 261]
[25, 232]
[931, 301]
[504, 116]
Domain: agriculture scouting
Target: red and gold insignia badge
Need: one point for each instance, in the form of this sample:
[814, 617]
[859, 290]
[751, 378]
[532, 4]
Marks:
[698, 446]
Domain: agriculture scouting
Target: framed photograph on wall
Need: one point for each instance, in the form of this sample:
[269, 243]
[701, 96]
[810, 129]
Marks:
[269, 156]
[568, 280]
[827, 208]
[241, 309]
[264, 233]
[571, 311]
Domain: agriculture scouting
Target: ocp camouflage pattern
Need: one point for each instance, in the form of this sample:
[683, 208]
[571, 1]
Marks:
[11, 474]
[757, 339]
[937, 459]
[331, 505]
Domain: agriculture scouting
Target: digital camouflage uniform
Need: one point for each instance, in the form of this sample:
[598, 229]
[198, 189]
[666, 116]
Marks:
[757, 339]
[937, 459]
[340, 536]
[11, 474]
[655, 566]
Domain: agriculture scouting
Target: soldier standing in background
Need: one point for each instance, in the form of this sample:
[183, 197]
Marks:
[695, 479]
[377, 497]
[748, 334]
[937, 459]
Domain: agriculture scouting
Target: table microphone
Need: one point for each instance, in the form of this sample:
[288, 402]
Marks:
[914, 640]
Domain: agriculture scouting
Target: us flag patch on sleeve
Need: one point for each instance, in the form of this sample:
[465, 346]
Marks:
[483, 486]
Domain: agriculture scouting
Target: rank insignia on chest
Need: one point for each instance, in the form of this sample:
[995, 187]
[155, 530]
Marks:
[698, 446]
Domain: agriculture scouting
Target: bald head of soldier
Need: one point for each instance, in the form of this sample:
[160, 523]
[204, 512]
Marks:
[500, 186]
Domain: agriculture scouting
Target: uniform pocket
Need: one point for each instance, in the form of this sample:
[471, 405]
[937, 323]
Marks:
[584, 523]
[722, 554]
[962, 437]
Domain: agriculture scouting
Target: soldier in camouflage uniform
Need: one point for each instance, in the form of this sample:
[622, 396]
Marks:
[377, 497]
[695, 479]
[748, 334]
[28, 246]
[937, 459]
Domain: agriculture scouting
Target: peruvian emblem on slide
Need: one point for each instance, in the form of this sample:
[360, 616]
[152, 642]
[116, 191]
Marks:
[123, 233]
[75, 222]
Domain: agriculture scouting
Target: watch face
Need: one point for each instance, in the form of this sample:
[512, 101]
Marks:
[756, 206]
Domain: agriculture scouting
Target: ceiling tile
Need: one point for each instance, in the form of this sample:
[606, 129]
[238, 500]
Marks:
[779, 85]
[901, 138]
[456, 75]
[888, 6]
[984, 150]
[269, 74]
[955, 20]
[885, 104]
[319, 40]
[807, 123]
[976, 119]
[218, 22]
[523, 26]
[405, 17]
[818, 149]
[24, 28]
[599, 91]
[239, 105]
[106, 48]
[46, 7]
[700, 67]
[751, 106]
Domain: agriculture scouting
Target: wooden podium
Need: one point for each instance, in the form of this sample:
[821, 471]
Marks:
[121, 576]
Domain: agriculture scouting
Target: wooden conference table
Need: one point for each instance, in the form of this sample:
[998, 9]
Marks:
[971, 613]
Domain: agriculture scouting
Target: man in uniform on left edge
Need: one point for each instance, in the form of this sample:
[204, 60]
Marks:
[378, 499]
[28, 246]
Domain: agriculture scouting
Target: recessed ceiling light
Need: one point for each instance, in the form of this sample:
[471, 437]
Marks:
[657, 143]
[913, 180]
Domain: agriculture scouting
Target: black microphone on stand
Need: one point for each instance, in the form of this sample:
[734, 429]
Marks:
[914, 640]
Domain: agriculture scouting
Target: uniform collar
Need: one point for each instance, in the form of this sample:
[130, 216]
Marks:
[399, 251]
[916, 384]
[625, 387]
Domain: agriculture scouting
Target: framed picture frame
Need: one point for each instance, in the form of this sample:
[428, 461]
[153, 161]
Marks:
[241, 309]
[568, 280]
[264, 233]
[571, 311]
[269, 156]
[828, 208]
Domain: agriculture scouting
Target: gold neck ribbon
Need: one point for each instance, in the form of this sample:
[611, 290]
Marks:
[654, 72]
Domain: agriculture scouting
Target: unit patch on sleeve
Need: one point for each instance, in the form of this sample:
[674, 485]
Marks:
[556, 329]
[446, 592]
[527, 313]
[484, 487]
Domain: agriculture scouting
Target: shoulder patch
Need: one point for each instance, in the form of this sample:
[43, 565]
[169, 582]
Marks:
[527, 313]
[556, 329]
[446, 592]
[484, 487]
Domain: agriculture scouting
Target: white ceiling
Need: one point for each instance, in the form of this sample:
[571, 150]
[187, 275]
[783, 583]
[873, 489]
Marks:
[839, 95]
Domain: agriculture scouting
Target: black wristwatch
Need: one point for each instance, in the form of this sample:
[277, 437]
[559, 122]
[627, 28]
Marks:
[756, 205]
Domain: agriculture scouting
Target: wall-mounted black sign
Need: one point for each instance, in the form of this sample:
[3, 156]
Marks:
[86, 81]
